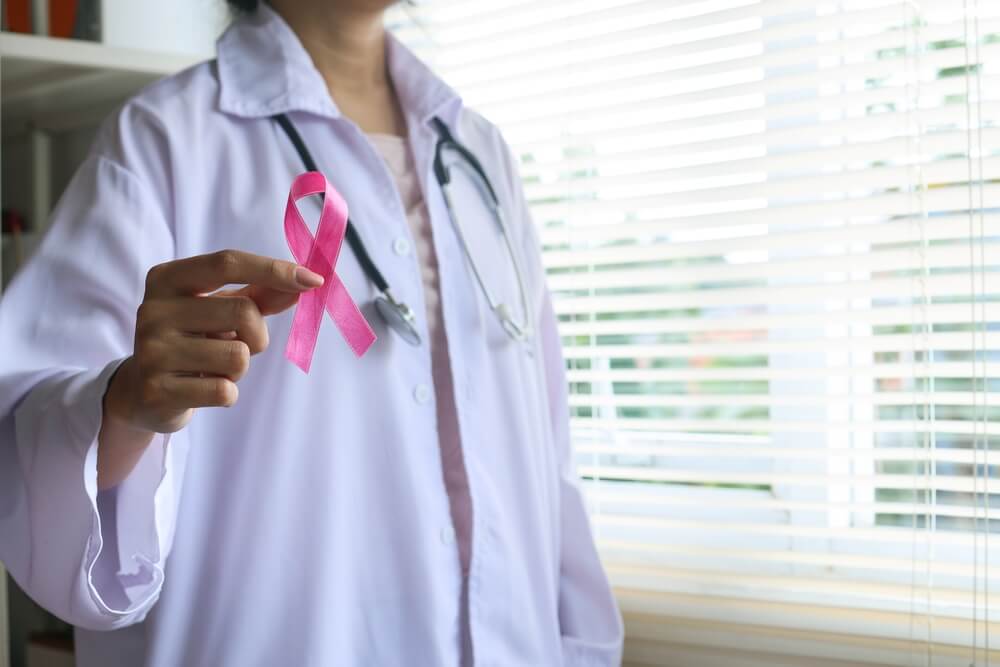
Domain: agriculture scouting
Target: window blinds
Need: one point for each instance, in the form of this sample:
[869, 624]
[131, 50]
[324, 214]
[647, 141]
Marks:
[772, 230]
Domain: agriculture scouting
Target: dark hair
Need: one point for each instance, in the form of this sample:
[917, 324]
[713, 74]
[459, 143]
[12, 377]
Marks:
[243, 5]
[251, 5]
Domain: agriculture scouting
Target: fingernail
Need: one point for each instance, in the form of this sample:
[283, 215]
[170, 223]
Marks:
[307, 278]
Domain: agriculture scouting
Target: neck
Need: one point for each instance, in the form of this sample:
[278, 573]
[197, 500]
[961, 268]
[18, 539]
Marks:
[346, 44]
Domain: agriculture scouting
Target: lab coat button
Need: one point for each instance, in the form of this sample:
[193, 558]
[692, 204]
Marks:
[447, 535]
[401, 247]
[421, 393]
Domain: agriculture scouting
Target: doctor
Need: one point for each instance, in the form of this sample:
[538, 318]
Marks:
[179, 491]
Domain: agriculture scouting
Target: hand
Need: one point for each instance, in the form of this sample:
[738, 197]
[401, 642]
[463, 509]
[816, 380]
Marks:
[192, 346]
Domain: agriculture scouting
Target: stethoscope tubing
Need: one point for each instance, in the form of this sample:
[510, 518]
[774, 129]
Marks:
[397, 314]
[351, 235]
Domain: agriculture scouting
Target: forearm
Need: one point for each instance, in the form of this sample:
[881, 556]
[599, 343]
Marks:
[120, 443]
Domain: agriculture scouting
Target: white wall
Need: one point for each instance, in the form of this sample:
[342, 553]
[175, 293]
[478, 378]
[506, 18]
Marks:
[174, 26]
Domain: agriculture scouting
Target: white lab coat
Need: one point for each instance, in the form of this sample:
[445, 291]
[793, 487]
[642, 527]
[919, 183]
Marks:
[308, 524]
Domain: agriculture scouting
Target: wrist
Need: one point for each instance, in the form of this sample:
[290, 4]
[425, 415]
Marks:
[121, 441]
[118, 409]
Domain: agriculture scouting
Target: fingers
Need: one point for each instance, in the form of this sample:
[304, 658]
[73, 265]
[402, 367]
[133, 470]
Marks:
[206, 273]
[161, 399]
[207, 356]
[193, 356]
[183, 392]
[206, 315]
[269, 301]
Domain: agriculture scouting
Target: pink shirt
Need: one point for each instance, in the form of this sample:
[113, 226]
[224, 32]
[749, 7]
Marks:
[396, 153]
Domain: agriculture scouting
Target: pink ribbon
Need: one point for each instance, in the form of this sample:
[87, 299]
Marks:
[320, 256]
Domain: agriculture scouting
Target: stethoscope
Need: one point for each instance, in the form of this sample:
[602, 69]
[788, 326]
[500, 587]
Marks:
[396, 314]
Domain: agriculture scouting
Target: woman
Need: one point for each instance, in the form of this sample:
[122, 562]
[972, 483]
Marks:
[415, 506]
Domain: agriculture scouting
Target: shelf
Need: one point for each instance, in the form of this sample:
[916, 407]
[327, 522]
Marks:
[55, 84]
[4, 623]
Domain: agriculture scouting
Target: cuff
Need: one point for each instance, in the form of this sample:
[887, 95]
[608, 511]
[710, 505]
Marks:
[123, 562]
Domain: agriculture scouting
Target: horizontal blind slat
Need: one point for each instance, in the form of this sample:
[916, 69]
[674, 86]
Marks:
[775, 454]
[863, 371]
[900, 481]
[812, 617]
[885, 537]
[832, 399]
[668, 44]
[790, 588]
[838, 165]
[629, 135]
[620, 504]
[643, 93]
[784, 426]
[882, 315]
[913, 287]
[834, 263]
[721, 240]
[663, 69]
[943, 199]
[752, 195]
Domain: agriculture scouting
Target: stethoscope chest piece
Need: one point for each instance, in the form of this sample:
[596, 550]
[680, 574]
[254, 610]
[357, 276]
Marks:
[398, 317]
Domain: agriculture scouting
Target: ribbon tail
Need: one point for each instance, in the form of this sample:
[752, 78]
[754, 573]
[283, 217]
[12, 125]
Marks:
[348, 317]
[305, 329]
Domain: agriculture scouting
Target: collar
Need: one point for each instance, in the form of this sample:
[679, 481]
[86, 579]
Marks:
[264, 70]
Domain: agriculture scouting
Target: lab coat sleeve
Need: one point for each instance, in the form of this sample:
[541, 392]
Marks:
[94, 559]
[592, 629]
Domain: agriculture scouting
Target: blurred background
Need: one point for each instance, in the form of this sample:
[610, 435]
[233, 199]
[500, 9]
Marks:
[772, 228]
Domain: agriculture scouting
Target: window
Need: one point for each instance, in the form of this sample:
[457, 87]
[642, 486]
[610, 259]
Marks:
[772, 229]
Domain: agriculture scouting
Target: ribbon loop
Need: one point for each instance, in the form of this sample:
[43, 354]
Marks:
[320, 255]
